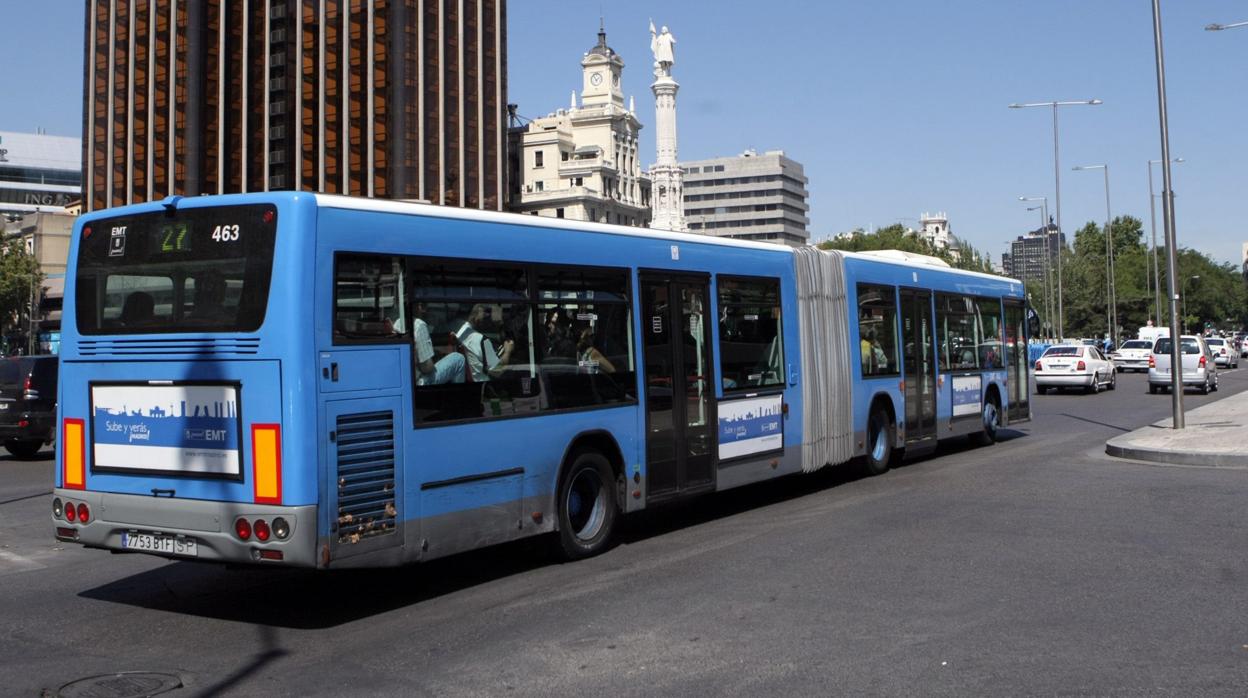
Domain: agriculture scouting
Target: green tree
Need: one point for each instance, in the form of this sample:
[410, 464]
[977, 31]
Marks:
[18, 271]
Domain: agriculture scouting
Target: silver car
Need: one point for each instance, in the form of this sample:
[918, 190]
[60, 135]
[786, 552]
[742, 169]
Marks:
[1200, 371]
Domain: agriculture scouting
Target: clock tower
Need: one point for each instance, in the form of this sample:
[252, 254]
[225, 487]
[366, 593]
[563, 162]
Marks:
[601, 70]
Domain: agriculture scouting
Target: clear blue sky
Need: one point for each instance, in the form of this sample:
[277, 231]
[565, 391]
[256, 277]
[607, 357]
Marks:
[894, 107]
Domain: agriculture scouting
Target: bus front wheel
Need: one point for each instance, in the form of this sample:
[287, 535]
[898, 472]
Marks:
[587, 506]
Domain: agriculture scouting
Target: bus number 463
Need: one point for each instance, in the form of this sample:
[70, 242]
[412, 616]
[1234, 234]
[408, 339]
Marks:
[225, 233]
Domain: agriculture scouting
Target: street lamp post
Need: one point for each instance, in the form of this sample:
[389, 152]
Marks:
[1152, 213]
[1111, 282]
[1057, 181]
[1190, 278]
[1044, 230]
[1167, 215]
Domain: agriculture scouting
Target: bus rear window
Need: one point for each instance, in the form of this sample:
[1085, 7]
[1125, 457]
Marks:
[197, 270]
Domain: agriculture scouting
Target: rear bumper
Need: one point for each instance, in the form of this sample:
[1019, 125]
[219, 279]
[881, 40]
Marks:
[1156, 378]
[1063, 379]
[1133, 364]
[39, 427]
[210, 524]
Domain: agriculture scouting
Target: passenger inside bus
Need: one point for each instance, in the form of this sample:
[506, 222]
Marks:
[483, 360]
[588, 358]
[138, 310]
[448, 369]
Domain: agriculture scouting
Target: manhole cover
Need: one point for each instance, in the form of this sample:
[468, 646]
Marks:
[124, 684]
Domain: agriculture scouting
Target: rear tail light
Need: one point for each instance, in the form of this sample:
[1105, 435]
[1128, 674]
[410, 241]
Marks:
[281, 529]
[262, 530]
[70, 514]
[27, 392]
[58, 508]
[1201, 363]
[242, 529]
[84, 514]
[1039, 366]
[1081, 366]
[1152, 363]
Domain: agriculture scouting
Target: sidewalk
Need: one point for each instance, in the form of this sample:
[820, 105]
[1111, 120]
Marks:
[1216, 435]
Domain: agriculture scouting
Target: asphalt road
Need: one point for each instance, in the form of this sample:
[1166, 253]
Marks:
[1035, 566]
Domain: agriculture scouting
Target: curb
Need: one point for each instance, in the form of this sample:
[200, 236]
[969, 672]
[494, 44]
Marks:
[1171, 457]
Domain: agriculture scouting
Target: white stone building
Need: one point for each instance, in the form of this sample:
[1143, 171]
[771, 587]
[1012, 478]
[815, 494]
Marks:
[748, 197]
[581, 163]
[934, 227]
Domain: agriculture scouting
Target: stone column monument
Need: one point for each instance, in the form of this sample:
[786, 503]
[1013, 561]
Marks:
[667, 181]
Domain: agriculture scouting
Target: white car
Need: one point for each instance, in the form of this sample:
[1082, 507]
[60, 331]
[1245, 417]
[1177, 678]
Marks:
[1132, 355]
[1074, 366]
[1224, 353]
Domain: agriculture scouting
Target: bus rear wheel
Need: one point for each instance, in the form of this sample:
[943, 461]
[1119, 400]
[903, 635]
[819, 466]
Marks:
[587, 506]
[880, 430]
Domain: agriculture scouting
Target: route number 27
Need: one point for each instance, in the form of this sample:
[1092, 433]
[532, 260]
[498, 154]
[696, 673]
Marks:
[225, 233]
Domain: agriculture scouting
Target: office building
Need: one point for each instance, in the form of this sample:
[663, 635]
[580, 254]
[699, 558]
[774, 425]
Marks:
[1026, 258]
[401, 99]
[581, 163]
[748, 197]
[38, 172]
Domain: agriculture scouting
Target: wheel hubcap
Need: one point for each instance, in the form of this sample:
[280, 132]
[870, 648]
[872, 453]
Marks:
[879, 443]
[990, 418]
[586, 504]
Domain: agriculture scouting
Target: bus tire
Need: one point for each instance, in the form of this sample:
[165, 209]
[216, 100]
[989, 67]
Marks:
[880, 434]
[587, 506]
[991, 418]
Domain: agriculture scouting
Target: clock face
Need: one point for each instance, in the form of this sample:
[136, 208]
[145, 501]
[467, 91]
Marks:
[595, 79]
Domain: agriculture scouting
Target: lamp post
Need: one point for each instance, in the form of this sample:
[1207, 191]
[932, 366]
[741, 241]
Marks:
[1190, 278]
[1167, 214]
[1215, 27]
[1152, 214]
[1111, 283]
[1057, 181]
[1048, 311]
[1044, 231]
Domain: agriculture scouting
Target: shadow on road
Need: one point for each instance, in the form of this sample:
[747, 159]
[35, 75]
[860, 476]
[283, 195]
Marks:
[309, 599]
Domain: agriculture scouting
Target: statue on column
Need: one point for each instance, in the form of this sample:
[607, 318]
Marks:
[662, 46]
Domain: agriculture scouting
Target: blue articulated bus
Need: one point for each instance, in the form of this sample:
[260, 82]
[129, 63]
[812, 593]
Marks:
[321, 381]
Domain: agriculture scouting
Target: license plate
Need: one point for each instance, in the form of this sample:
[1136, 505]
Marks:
[1058, 365]
[165, 543]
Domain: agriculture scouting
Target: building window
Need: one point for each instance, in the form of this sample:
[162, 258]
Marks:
[559, 213]
[537, 159]
[563, 155]
[539, 185]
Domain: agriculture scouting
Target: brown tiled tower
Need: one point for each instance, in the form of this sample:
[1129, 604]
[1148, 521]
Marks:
[399, 99]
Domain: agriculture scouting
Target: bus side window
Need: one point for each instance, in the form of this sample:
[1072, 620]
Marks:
[877, 330]
[369, 299]
[751, 344]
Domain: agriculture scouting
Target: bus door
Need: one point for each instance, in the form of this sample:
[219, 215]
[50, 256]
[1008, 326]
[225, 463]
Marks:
[680, 397]
[1017, 362]
[919, 362]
